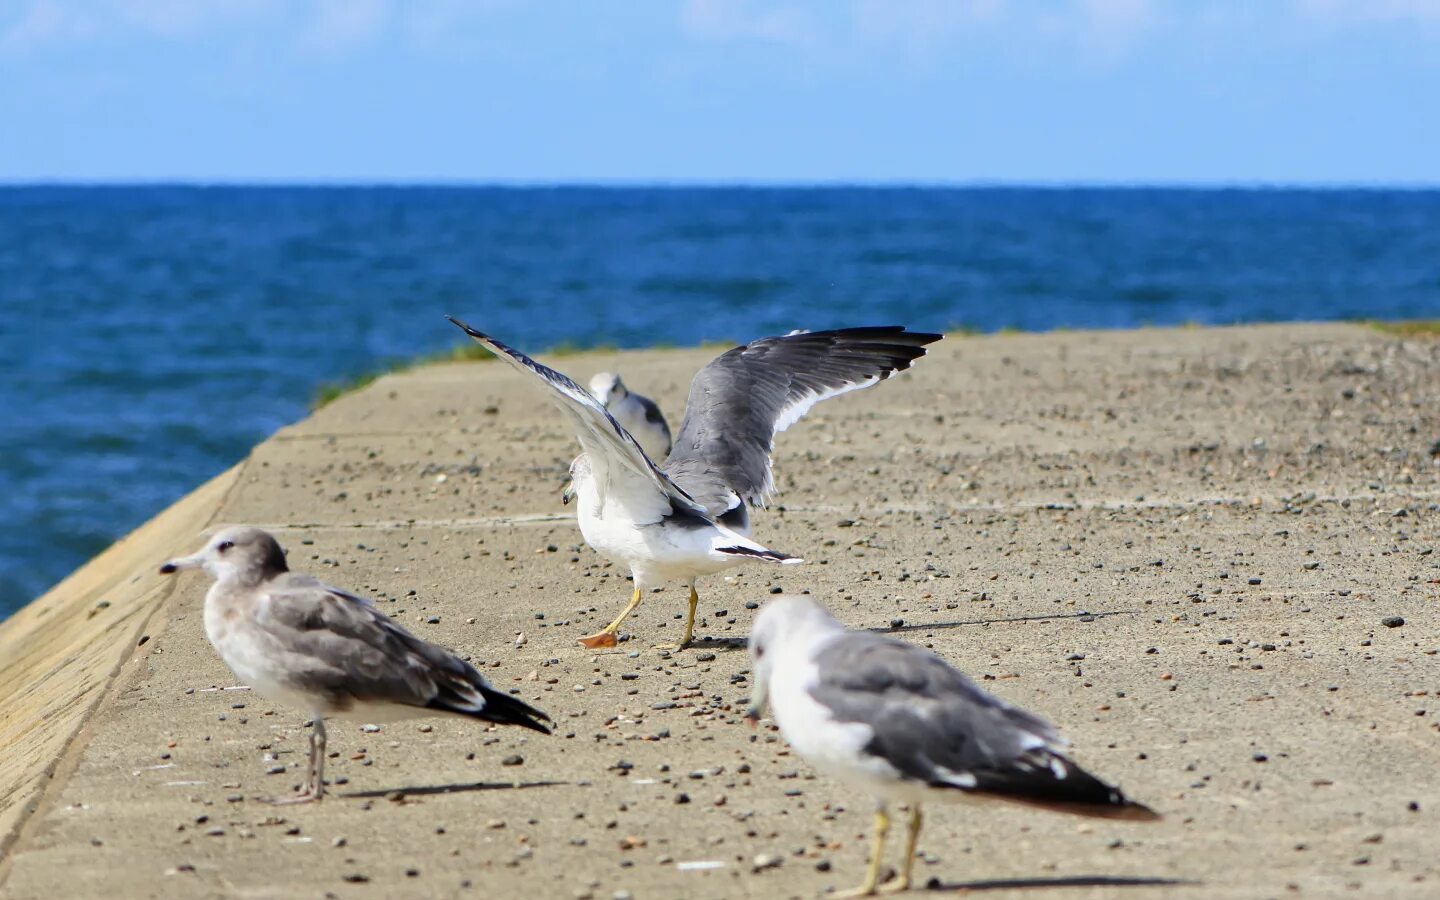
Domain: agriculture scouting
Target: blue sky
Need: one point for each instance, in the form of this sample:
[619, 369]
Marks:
[1288, 91]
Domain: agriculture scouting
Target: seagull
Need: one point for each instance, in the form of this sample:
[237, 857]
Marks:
[689, 515]
[899, 721]
[636, 414]
[295, 639]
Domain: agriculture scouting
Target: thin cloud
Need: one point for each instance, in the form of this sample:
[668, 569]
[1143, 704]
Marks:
[1111, 28]
[917, 31]
[744, 21]
[1353, 12]
[335, 27]
[328, 26]
[43, 22]
[183, 19]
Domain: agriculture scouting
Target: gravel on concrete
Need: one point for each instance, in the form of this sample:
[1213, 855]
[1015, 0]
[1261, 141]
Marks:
[1185, 547]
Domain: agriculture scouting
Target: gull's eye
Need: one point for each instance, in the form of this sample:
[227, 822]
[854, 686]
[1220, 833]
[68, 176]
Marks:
[223, 546]
[759, 651]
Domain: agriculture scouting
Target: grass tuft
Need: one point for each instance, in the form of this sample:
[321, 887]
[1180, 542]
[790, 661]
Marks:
[330, 391]
[962, 330]
[1407, 328]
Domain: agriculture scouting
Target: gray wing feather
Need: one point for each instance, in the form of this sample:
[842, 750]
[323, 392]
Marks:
[738, 403]
[340, 646]
[614, 454]
[933, 725]
[930, 721]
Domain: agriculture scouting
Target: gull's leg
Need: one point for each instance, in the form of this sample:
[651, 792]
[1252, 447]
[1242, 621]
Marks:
[314, 787]
[605, 637]
[317, 758]
[689, 623]
[912, 835]
[872, 876]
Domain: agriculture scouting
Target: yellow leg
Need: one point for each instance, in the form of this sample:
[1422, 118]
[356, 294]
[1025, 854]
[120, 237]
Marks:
[605, 637]
[689, 624]
[912, 836]
[872, 877]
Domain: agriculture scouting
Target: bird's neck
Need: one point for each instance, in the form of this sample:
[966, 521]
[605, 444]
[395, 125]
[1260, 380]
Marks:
[245, 576]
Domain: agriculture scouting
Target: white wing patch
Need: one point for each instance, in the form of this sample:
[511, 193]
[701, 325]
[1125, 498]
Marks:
[963, 780]
[794, 412]
[796, 409]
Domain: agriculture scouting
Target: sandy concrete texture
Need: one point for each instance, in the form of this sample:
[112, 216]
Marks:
[1181, 546]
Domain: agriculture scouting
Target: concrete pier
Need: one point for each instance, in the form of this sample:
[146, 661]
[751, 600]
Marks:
[1188, 548]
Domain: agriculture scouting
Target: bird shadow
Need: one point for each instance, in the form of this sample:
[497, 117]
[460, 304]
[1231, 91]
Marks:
[932, 626]
[1069, 881]
[742, 643]
[433, 789]
[714, 643]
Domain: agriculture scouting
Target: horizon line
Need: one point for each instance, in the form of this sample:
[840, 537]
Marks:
[725, 183]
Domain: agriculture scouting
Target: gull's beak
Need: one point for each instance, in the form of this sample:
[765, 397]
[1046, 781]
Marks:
[184, 562]
[568, 494]
[757, 703]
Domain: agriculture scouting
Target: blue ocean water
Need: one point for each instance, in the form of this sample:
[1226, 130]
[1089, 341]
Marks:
[151, 335]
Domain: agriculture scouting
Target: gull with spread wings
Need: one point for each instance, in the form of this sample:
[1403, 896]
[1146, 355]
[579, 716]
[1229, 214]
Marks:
[689, 515]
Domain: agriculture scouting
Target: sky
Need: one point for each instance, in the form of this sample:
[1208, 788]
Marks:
[908, 91]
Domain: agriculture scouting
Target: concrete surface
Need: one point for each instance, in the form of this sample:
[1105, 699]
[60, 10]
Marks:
[1179, 545]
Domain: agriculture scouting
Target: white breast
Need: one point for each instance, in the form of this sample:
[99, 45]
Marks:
[833, 747]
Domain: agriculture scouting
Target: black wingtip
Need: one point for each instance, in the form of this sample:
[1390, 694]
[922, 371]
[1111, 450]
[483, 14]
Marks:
[505, 709]
[467, 329]
[880, 334]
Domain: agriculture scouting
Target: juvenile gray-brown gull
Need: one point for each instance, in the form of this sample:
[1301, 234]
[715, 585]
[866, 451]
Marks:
[689, 516]
[898, 721]
[637, 414]
[295, 639]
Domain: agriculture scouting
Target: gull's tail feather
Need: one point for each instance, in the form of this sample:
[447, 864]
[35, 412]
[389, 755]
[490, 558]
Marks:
[502, 709]
[761, 553]
[1048, 780]
[1128, 811]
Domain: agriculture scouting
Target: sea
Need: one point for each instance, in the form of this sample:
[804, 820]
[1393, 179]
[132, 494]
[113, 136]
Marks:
[151, 335]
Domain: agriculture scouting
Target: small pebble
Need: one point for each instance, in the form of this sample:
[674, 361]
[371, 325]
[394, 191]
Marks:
[765, 861]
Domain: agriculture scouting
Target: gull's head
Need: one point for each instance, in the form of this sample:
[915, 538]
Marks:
[238, 553]
[785, 626]
[607, 386]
